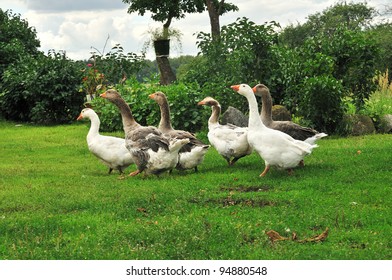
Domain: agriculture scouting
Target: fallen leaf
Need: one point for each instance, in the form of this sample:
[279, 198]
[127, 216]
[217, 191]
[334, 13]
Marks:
[274, 236]
[142, 210]
[317, 238]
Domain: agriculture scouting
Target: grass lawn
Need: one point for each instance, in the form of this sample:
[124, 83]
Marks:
[58, 202]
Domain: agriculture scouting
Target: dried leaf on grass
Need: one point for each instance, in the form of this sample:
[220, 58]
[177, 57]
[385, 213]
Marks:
[275, 236]
[318, 238]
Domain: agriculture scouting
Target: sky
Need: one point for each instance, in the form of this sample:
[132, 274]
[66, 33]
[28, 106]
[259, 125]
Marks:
[80, 27]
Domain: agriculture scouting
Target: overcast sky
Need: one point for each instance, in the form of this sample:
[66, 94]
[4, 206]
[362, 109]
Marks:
[78, 25]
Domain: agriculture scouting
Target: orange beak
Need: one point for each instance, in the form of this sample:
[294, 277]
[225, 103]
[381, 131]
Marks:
[80, 117]
[236, 87]
[201, 103]
[103, 95]
[152, 95]
[254, 89]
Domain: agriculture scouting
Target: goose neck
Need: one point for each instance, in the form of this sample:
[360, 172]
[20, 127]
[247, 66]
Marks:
[215, 113]
[254, 117]
[164, 123]
[266, 109]
[126, 114]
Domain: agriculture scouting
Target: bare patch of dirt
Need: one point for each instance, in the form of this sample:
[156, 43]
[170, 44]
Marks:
[241, 188]
[229, 201]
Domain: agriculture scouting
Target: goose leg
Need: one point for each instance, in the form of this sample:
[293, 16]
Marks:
[134, 173]
[266, 169]
[290, 171]
[110, 170]
[234, 160]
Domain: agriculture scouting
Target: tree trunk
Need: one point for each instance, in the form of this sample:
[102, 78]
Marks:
[167, 75]
[166, 72]
[213, 13]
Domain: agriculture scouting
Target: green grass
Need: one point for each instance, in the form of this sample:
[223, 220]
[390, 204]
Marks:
[58, 202]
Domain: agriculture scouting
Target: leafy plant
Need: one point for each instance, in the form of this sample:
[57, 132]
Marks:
[182, 98]
[380, 101]
[158, 33]
[42, 89]
[116, 65]
[321, 102]
[243, 54]
[17, 39]
[92, 81]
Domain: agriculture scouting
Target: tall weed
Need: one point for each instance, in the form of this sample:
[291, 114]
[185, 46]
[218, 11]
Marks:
[380, 101]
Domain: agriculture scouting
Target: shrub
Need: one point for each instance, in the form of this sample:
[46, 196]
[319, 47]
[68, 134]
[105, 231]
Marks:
[17, 39]
[241, 55]
[380, 101]
[321, 102]
[42, 89]
[117, 65]
[182, 98]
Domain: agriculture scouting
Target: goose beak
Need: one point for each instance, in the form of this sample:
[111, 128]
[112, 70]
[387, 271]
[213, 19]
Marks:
[103, 95]
[80, 117]
[236, 87]
[254, 89]
[152, 96]
[200, 103]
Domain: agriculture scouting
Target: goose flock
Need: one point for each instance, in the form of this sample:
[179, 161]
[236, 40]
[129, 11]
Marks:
[155, 150]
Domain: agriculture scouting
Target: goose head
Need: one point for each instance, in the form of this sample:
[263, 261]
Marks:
[261, 90]
[208, 101]
[110, 94]
[243, 89]
[86, 113]
[159, 97]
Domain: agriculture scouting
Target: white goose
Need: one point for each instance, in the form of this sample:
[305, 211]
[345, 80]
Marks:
[191, 154]
[108, 149]
[151, 151]
[229, 140]
[275, 147]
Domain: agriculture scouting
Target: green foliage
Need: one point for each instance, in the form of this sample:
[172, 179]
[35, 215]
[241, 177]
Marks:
[182, 98]
[17, 39]
[321, 102]
[163, 10]
[92, 81]
[241, 55]
[353, 16]
[380, 101]
[382, 34]
[42, 89]
[116, 64]
[355, 56]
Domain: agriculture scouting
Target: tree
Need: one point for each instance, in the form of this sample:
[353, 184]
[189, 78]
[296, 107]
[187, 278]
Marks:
[165, 11]
[17, 39]
[215, 9]
[351, 15]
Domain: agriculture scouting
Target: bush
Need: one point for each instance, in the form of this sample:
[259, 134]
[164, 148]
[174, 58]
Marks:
[380, 101]
[17, 39]
[321, 103]
[182, 98]
[241, 55]
[117, 65]
[42, 89]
